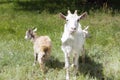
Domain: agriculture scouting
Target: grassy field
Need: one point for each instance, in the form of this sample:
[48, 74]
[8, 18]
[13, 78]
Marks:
[16, 54]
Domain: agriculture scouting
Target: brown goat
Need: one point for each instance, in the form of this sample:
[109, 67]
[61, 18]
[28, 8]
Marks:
[41, 45]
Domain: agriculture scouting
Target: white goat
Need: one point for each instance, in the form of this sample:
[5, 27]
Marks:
[73, 39]
[42, 47]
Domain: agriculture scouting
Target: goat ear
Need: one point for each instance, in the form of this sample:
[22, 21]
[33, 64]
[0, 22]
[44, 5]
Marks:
[62, 16]
[82, 16]
[34, 30]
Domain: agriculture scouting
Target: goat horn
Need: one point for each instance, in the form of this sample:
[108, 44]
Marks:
[75, 12]
[69, 12]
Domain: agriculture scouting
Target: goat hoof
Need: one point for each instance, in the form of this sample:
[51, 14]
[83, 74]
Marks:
[33, 64]
[67, 78]
[73, 65]
[66, 67]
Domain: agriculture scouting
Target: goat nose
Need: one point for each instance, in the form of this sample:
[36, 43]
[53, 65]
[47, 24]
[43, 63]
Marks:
[73, 28]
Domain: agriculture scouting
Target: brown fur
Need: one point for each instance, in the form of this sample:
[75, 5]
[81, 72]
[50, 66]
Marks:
[42, 48]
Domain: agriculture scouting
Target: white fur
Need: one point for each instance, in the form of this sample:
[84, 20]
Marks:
[73, 39]
[86, 33]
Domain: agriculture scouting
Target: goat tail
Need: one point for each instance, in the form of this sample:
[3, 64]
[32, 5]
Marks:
[45, 49]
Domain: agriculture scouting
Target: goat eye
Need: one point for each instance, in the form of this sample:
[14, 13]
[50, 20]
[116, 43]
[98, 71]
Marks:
[44, 56]
[78, 20]
[66, 19]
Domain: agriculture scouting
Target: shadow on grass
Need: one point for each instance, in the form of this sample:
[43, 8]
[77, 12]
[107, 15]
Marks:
[55, 7]
[94, 69]
[55, 63]
[63, 5]
[5, 2]
[90, 67]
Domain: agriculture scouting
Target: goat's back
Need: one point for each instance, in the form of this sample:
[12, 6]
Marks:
[42, 43]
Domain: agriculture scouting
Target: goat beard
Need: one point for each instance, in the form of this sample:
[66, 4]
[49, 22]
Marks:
[72, 31]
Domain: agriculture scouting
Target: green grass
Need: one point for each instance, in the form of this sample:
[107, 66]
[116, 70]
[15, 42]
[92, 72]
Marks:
[16, 54]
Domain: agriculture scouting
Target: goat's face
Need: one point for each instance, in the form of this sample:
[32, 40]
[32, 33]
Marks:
[30, 33]
[72, 21]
